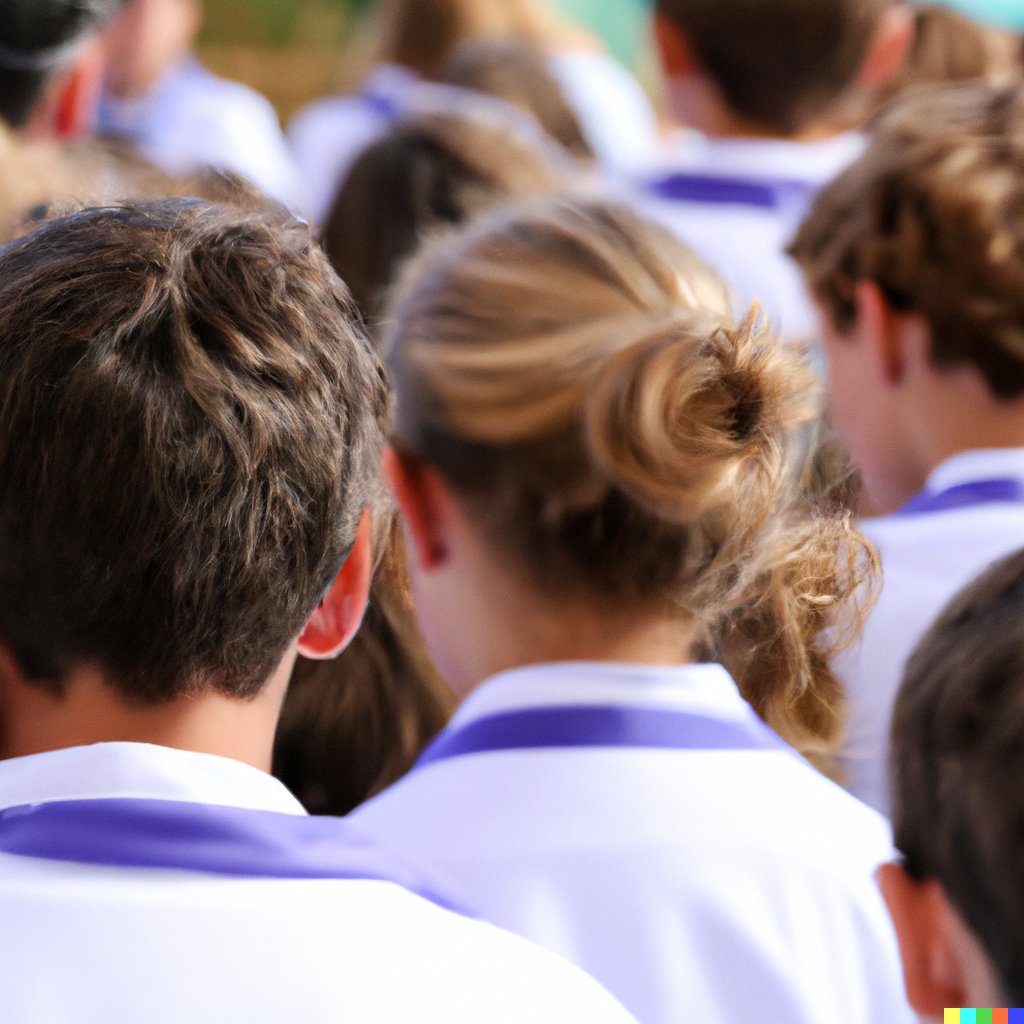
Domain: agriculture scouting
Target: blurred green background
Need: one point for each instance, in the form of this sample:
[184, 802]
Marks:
[295, 50]
[280, 23]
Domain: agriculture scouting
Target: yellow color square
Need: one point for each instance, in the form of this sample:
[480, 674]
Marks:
[951, 1016]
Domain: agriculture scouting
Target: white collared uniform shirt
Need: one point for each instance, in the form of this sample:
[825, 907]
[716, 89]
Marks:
[192, 119]
[614, 113]
[746, 243]
[81, 944]
[711, 886]
[926, 559]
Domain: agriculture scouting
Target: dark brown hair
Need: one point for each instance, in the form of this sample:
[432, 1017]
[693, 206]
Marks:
[354, 724]
[430, 171]
[958, 763]
[934, 213]
[779, 63]
[189, 432]
[515, 70]
[577, 376]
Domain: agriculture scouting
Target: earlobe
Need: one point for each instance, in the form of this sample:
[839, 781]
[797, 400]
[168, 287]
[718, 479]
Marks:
[331, 627]
[889, 48]
[930, 970]
[879, 331]
[677, 57]
[417, 492]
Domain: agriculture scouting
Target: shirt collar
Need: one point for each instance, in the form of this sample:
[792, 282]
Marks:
[981, 464]
[815, 163]
[140, 770]
[705, 689]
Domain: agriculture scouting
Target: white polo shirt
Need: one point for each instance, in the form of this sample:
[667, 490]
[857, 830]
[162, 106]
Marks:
[329, 134]
[742, 227]
[192, 119]
[98, 945]
[724, 886]
[926, 559]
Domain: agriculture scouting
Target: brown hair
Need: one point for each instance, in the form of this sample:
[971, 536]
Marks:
[423, 34]
[576, 375]
[189, 432]
[934, 213]
[353, 725]
[515, 70]
[950, 48]
[431, 170]
[780, 64]
[958, 762]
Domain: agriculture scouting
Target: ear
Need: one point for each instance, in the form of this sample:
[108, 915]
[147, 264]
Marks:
[335, 622]
[879, 330]
[67, 108]
[931, 970]
[421, 497]
[677, 57]
[889, 48]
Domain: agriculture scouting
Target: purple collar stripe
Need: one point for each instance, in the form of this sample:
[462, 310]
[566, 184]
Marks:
[600, 726]
[978, 492]
[381, 104]
[701, 188]
[141, 833]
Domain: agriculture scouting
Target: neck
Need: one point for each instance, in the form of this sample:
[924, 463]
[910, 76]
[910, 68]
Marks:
[90, 710]
[696, 102]
[951, 413]
[504, 622]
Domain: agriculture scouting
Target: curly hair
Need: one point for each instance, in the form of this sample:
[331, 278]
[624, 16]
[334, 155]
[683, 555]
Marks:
[577, 376]
[933, 212]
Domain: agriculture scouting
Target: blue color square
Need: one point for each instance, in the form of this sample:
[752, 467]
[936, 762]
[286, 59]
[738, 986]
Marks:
[1015, 1015]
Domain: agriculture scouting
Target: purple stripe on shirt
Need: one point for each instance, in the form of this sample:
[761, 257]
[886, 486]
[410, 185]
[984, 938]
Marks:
[977, 492]
[600, 726]
[215, 839]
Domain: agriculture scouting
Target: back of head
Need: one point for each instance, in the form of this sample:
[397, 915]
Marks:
[779, 64]
[515, 70]
[958, 763]
[432, 170]
[39, 38]
[422, 35]
[190, 432]
[951, 48]
[934, 214]
[576, 375]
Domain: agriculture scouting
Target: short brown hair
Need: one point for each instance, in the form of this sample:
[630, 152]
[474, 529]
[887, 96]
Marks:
[958, 762]
[779, 63]
[576, 374]
[189, 432]
[933, 212]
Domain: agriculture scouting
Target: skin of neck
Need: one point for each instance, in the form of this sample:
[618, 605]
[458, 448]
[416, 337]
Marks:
[90, 710]
[480, 613]
[900, 414]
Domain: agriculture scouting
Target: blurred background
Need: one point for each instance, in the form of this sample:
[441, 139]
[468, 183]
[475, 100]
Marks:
[295, 50]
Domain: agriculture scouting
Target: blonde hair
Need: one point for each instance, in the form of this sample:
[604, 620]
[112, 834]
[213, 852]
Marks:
[577, 377]
[422, 35]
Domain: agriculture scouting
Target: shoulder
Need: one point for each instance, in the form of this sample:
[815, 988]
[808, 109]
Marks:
[530, 983]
